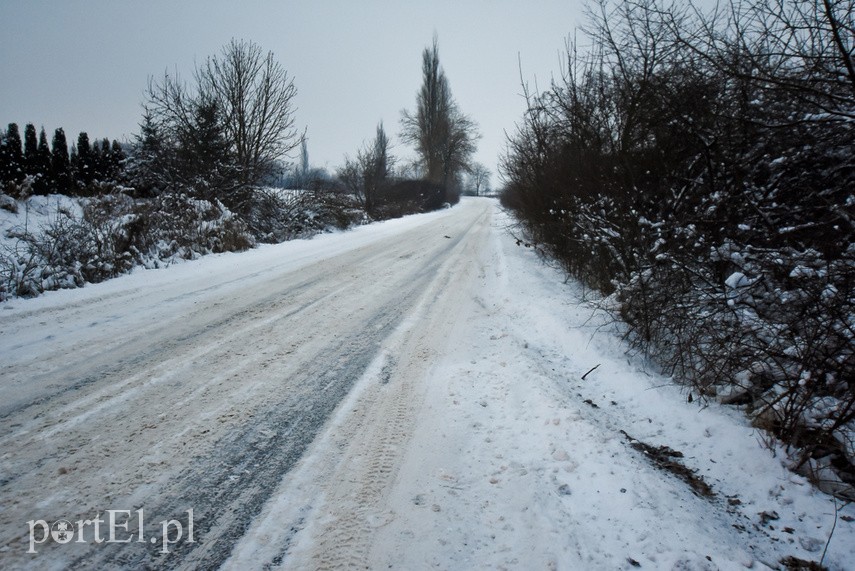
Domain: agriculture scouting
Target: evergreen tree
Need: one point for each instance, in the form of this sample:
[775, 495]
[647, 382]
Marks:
[148, 168]
[60, 163]
[31, 151]
[97, 161]
[73, 163]
[43, 165]
[102, 160]
[14, 155]
[116, 160]
[4, 160]
[204, 154]
[82, 161]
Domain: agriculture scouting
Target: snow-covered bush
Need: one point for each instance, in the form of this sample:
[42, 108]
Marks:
[277, 215]
[178, 226]
[700, 172]
[93, 239]
[70, 249]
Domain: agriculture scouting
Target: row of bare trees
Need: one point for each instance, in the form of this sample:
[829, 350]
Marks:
[698, 169]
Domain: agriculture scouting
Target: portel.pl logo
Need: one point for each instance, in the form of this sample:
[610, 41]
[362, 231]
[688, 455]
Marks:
[114, 529]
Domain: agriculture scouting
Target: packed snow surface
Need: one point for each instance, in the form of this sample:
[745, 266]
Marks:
[408, 395]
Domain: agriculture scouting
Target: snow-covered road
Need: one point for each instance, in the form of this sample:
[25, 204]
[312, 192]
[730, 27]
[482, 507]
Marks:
[406, 395]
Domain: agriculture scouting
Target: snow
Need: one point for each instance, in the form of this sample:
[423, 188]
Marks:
[32, 214]
[737, 280]
[225, 270]
[469, 439]
[508, 466]
[802, 272]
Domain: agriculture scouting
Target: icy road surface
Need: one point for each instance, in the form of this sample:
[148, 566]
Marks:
[407, 395]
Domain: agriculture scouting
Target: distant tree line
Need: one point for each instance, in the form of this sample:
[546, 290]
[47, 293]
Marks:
[699, 169]
[223, 136]
[32, 167]
[206, 174]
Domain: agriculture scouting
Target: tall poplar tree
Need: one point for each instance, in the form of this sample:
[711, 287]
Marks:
[443, 136]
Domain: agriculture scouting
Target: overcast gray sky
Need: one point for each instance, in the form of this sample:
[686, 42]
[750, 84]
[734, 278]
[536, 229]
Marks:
[83, 64]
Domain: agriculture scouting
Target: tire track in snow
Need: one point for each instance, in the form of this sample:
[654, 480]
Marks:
[358, 458]
[250, 463]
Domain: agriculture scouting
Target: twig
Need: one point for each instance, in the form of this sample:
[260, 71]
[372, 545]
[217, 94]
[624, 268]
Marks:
[591, 371]
[830, 535]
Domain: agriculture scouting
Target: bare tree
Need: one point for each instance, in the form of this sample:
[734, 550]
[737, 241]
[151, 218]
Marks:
[365, 176]
[237, 119]
[350, 176]
[479, 179]
[444, 137]
[377, 163]
[427, 128]
[256, 96]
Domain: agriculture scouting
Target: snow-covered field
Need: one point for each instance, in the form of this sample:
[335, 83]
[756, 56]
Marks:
[406, 395]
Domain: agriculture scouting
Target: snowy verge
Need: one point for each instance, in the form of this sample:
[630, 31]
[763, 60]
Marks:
[470, 440]
[516, 462]
[265, 258]
[519, 463]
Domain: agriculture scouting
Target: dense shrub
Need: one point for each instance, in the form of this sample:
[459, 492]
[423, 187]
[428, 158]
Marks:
[109, 235]
[399, 198]
[277, 215]
[699, 171]
[92, 239]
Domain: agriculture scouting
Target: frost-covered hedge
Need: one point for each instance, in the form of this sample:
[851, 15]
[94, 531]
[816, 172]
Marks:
[55, 242]
[93, 239]
[699, 172]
